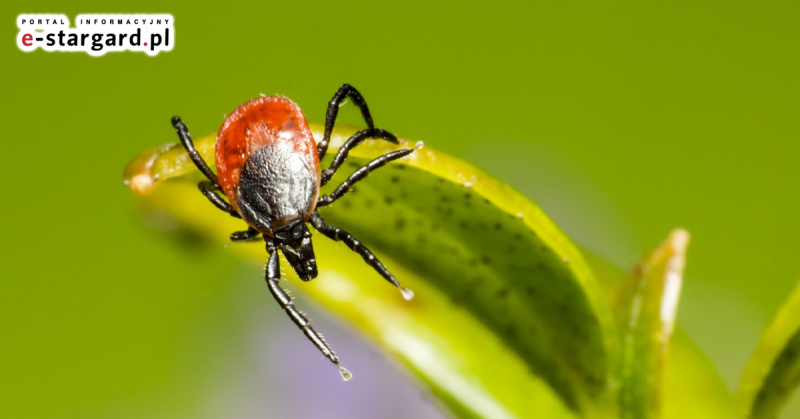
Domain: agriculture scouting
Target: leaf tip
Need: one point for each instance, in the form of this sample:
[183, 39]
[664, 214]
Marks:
[139, 172]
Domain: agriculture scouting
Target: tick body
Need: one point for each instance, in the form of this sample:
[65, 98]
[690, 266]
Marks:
[268, 168]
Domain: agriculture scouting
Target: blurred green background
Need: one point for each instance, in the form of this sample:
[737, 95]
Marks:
[622, 120]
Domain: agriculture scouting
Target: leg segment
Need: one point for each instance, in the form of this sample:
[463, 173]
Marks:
[355, 140]
[208, 189]
[244, 236]
[344, 92]
[186, 140]
[273, 274]
[337, 234]
[361, 174]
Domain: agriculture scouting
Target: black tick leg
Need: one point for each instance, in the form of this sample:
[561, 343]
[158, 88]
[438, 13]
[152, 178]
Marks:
[244, 236]
[337, 234]
[208, 189]
[361, 174]
[186, 140]
[344, 92]
[352, 142]
[273, 274]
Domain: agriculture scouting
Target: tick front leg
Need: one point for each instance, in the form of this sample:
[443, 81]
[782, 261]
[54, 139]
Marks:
[361, 174]
[244, 236]
[337, 234]
[186, 140]
[273, 274]
[209, 190]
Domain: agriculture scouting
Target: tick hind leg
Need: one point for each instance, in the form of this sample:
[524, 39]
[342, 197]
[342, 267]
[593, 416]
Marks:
[344, 92]
[337, 234]
[209, 190]
[273, 274]
[186, 140]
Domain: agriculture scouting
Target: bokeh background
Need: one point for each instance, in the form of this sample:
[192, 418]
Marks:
[622, 120]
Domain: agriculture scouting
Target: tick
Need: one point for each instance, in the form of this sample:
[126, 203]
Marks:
[268, 168]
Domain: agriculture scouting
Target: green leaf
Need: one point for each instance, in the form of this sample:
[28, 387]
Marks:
[508, 320]
[691, 388]
[646, 307]
[773, 371]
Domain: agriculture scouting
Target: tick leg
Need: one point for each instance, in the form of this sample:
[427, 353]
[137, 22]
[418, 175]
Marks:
[273, 274]
[352, 142]
[186, 140]
[337, 234]
[344, 92]
[361, 174]
[208, 189]
[244, 236]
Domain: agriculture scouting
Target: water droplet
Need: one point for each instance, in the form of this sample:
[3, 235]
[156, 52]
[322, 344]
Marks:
[521, 216]
[407, 293]
[346, 375]
[419, 145]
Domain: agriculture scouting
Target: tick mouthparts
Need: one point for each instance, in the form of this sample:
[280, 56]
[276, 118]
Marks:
[407, 293]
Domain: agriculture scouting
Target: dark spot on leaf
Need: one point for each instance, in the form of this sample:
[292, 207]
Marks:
[512, 329]
[395, 179]
[462, 224]
[400, 223]
[498, 226]
[388, 200]
[502, 293]
[369, 203]
[563, 309]
[399, 166]
[517, 236]
[473, 262]
[468, 195]
[403, 195]
[485, 260]
[476, 282]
